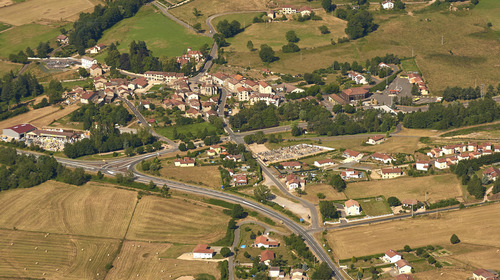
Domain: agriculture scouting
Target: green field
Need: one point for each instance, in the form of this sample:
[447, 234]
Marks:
[489, 11]
[6, 67]
[374, 206]
[410, 65]
[193, 128]
[4, 26]
[162, 35]
[20, 37]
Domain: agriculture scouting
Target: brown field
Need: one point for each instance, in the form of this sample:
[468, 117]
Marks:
[418, 132]
[6, 67]
[38, 10]
[437, 187]
[56, 257]
[327, 190]
[29, 116]
[445, 273]
[48, 119]
[140, 259]
[90, 210]
[473, 226]
[392, 145]
[474, 255]
[177, 221]
[208, 176]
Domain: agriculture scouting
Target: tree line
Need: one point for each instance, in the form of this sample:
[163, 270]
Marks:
[466, 171]
[26, 171]
[89, 27]
[458, 93]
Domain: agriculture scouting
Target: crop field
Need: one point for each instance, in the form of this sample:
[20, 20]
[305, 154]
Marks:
[162, 35]
[140, 259]
[273, 34]
[437, 187]
[44, 10]
[54, 256]
[177, 221]
[455, 63]
[378, 238]
[208, 176]
[57, 207]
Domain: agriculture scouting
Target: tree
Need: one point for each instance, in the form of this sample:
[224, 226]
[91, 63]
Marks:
[327, 5]
[399, 5]
[407, 248]
[393, 201]
[296, 131]
[322, 272]
[454, 239]
[338, 183]
[360, 24]
[266, 53]
[151, 185]
[323, 29]
[196, 12]
[83, 72]
[349, 109]
[55, 91]
[290, 48]
[431, 260]
[262, 193]
[496, 187]
[238, 212]
[291, 36]
[182, 147]
[475, 187]
[250, 45]
[328, 210]
[225, 252]
[197, 26]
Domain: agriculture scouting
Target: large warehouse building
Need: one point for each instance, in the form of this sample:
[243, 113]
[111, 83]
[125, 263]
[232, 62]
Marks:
[18, 131]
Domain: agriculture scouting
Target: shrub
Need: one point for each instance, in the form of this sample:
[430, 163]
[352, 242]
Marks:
[454, 239]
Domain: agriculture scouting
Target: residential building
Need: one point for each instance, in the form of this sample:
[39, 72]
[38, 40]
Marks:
[87, 96]
[352, 208]
[392, 256]
[441, 163]
[18, 131]
[266, 257]
[274, 271]
[288, 10]
[87, 62]
[291, 165]
[337, 99]
[185, 162]
[63, 39]
[435, 153]
[492, 173]
[422, 165]
[235, 158]
[350, 154]
[382, 157]
[358, 78]
[409, 202]
[324, 163]
[403, 267]
[389, 173]
[265, 88]
[355, 93]
[265, 241]
[266, 97]
[485, 274]
[243, 94]
[294, 182]
[240, 180]
[350, 173]
[377, 139]
[305, 11]
[202, 251]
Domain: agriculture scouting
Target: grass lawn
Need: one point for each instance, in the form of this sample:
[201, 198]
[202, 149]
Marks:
[437, 187]
[410, 65]
[374, 206]
[193, 128]
[489, 10]
[434, 229]
[4, 26]
[70, 85]
[28, 35]
[162, 35]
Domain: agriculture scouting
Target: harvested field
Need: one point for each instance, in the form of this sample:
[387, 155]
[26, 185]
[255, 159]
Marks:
[177, 221]
[437, 187]
[445, 273]
[38, 10]
[54, 256]
[208, 176]
[391, 145]
[327, 190]
[47, 119]
[377, 238]
[29, 116]
[140, 259]
[91, 210]
[476, 256]
[6, 67]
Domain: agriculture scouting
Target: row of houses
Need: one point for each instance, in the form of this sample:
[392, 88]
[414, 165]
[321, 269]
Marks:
[416, 79]
[462, 148]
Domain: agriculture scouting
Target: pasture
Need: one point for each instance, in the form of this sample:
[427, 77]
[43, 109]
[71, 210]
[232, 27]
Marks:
[330, 193]
[177, 221]
[6, 67]
[208, 176]
[140, 259]
[91, 210]
[163, 36]
[455, 63]
[44, 10]
[437, 187]
[378, 238]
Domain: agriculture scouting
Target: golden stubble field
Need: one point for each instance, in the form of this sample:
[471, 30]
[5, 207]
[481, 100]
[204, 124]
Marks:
[39, 117]
[208, 176]
[478, 225]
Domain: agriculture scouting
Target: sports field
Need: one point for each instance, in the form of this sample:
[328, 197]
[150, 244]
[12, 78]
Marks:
[162, 35]
[477, 226]
[177, 221]
[437, 187]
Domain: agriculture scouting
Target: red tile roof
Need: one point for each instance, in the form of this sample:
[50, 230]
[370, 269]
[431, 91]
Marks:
[350, 203]
[266, 255]
[402, 263]
[21, 128]
[202, 248]
[391, 170]
[391, 253]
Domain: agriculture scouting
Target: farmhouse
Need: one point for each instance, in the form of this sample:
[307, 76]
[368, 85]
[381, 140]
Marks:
[291, 165]
[265, 241]
[404, 277]
[356, 93]
[492, 173]
[87, 62]
[266, 257]
[18, 131]
[240, 180]
[403, 266]
[422, 165]
[377, 139]
[485, 274]
[350, 154]
[202, 251]
[185, 162]
[389, 173]
[388, 4]
[392, 256]
[324, 162]
[352, 208]
[350, 173]
[382, 157]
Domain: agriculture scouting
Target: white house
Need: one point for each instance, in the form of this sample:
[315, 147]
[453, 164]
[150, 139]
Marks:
[324, 162]
[185, 162]
[388, 4]
[350, 173]
[288, 10]
[274, 271]
[392, 256]
[265, 241]
[422, 165]
[350, 154]
[389, 173]
[87, 62]
[441, 163]
[484, 274]
[265, 87]
[377, 139]
[202, 251]
[403, 267]
[382, 157]
[352, 208]
[293, 182]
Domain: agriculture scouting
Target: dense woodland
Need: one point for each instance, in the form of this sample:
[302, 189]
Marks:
[13, 89]
[89, 27]
[359, 21]
[25, 171]
[92, 113]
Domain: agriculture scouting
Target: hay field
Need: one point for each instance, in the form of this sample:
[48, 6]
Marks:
[464, 33]
[473, 255]
[64, 258]
[177, 221]
[406, 145]
[48, 119]
[38, 10]
[327, 190]
[6, 67]
[208, 176]
[91, 210]
[437, 187]
[29, 116]
[473, 226]
[444, 274]
[140, 259]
